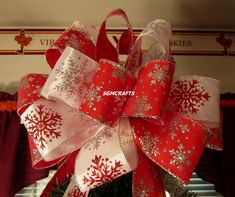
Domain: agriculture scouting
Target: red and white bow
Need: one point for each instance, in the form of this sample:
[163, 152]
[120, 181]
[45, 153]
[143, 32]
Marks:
[105, 118]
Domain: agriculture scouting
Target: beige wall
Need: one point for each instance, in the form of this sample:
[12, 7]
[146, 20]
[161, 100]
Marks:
[13, 67]
[219, 67]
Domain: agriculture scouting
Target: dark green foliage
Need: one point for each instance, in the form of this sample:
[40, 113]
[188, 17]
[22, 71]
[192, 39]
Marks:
[60, 188]
[122, 186]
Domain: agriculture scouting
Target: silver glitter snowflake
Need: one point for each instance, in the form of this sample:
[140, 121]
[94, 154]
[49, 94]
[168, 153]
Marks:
[99, 139]
[143, 190]
[174, 127]
[93, 95]
[179, 157]
[149, 144]
[74, 43]
[72, 79]
[141, 105]
[159, 75]
[119, 73]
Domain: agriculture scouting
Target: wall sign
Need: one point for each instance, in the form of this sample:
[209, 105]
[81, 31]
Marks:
[36, 41]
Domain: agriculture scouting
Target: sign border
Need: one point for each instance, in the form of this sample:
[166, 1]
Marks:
[199, 34]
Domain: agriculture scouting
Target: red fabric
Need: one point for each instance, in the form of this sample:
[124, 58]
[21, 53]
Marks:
[105, 49]
[147, 178]
[16, 169]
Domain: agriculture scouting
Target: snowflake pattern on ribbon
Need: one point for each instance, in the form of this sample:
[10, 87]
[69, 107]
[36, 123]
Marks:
[119, 73]
[31, 85]
[93, 95]
[119, 101]
[155, 28]
[73, 80]
[143, 190]
[73, 42]
[102, 170]
[175, 126]
[76, 192]
[149, 144]
[26, 83]
[35, 155]
[83, 29]
[141, 105]
[179, 157]
[99, 139]
[159, 75]
[70, 39]
[43, 125]
[187, 96]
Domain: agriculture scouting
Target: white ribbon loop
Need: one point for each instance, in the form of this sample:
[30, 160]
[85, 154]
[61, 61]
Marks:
[69, 81]
[101, 160]
[196, 97]
[53, 126]
[160, 31]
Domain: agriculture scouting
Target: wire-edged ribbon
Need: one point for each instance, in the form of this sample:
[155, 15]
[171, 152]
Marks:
[105, 118]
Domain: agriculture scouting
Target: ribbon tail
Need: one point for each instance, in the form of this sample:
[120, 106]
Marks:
[64, 171]
[147, 178]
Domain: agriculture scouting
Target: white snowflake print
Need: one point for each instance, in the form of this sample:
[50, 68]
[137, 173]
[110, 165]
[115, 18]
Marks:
[180, 157]
[73, 81]
[141, 105]
[149, 144]
[187, 96]
[99, 139]
[159, 75]
[43, 125]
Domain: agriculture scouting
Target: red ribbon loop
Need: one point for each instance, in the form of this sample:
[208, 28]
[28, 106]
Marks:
[76, 37]
[151, 91]
[104, 48]
[176, 146]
